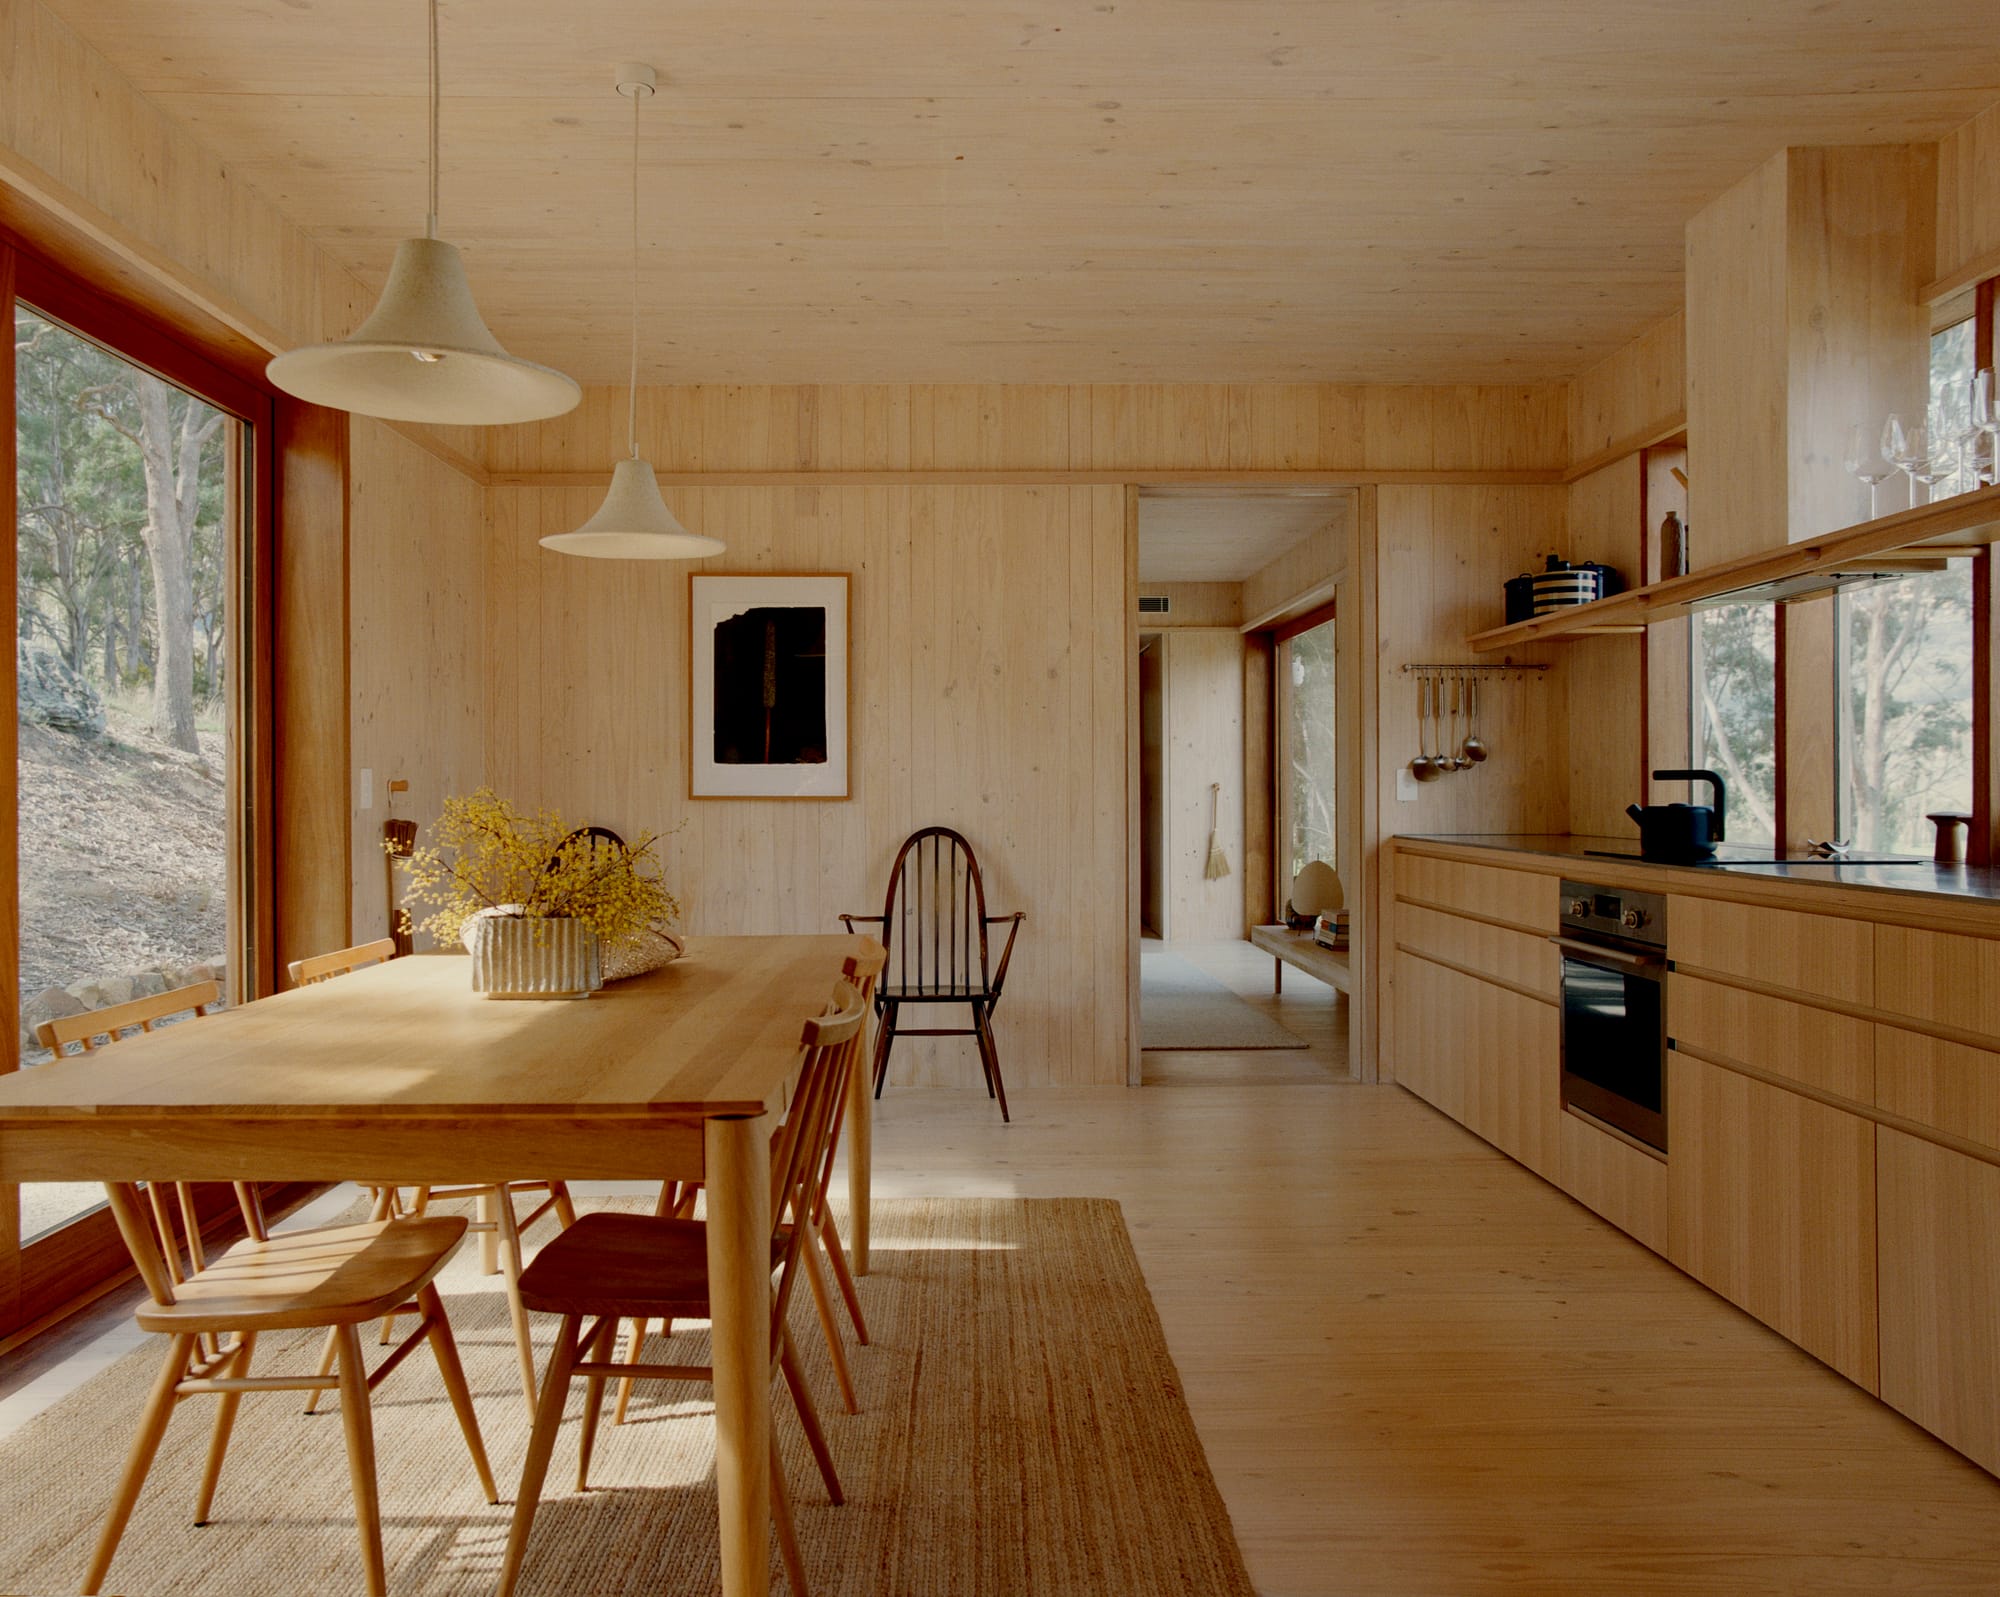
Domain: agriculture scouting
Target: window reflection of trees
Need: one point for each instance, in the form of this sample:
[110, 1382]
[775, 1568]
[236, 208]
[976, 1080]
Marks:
[121, 549]
[1736, 712]
[1907, 703]
[1309, 749]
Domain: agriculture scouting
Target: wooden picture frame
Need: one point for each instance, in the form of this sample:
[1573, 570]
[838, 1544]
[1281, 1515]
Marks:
[765, 722]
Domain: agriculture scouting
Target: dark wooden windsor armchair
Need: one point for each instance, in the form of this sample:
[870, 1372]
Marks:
[934, 925]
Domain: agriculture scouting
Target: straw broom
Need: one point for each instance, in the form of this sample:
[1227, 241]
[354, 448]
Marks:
[1218, 862]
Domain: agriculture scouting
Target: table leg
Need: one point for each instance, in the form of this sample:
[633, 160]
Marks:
[738, 1178]
[860, 1128]
[1278, 978]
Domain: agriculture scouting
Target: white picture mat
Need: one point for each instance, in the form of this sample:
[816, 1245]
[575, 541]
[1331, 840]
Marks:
[714, 599]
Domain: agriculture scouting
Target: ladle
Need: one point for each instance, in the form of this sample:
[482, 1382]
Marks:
[1423, 767]
[1474, 751]
[1447, 757]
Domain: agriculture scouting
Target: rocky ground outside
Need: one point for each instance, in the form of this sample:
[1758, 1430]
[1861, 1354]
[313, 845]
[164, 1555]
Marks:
[123, 867]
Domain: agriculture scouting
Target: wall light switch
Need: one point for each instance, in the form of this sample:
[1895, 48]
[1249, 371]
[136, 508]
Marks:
[367, 788]
[1406, 786]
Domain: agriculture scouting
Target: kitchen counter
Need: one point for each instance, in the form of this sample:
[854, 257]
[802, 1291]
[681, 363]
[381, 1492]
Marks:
[1921, 878]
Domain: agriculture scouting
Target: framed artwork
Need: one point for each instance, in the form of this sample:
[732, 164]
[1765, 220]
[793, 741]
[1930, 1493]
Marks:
[767, 683]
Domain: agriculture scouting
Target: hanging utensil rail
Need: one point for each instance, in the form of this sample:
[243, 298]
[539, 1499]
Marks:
[1474, 670]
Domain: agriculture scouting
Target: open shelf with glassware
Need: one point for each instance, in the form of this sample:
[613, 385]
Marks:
[1896, 545]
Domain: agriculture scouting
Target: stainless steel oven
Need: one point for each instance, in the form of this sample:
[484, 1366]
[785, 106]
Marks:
[1614, 1027]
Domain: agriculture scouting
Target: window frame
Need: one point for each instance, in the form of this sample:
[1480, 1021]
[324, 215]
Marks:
[45, 1279]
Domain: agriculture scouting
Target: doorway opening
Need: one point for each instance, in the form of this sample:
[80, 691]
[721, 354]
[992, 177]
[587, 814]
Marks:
[1238, 778]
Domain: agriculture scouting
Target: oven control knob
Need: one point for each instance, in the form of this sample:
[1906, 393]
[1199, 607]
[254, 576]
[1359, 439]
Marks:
[1633, 919]
[1579, 907]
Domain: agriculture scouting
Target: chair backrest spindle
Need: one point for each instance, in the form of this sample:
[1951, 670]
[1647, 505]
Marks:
[149, 1232]
[934, 919]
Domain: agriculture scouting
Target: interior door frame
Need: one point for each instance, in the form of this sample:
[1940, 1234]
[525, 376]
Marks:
[1351, 592]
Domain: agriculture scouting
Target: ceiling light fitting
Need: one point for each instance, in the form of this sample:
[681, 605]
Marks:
[424, 353]
[634, 522]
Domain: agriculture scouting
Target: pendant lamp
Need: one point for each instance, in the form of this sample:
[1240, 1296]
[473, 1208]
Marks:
[424, 354]
[634, 522]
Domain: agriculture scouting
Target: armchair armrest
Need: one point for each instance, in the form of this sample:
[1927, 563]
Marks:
[849, 920]
[1013, 924]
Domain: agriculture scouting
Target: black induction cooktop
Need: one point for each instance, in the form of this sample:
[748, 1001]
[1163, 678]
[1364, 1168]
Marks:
[1743, 856]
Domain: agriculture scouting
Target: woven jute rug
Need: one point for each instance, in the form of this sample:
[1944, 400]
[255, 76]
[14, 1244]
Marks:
[1023, 1430]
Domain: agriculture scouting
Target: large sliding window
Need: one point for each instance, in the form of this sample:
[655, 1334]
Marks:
[136, 560]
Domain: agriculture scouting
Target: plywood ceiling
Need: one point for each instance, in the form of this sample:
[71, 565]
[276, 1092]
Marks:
[1227, 537]
[1180, 190]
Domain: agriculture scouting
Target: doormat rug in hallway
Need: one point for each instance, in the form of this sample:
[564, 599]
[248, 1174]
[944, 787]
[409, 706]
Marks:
[1022, 1430]
[1182, 1006]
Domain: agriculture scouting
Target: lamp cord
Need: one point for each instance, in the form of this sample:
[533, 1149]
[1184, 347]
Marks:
[632, 388]
[431, 217]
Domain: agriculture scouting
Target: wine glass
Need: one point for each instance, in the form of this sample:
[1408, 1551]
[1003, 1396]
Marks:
[1976, 462]
[1894, 445]
[1985, 424]
[1959, 423]
[1861, 463]
[1937, 459]
[1903, 448]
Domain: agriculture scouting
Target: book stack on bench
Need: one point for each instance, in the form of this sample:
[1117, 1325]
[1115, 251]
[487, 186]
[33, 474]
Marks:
[1330, 931]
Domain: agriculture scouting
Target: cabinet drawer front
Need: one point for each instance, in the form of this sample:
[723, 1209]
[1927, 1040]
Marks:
[1940, 1219]
[1936, 976]
[1771, 1202]
[1421, 1052]
[1524, 897]
[1940, 1084]
[1526, 959]
[1812, 954]
[1835, 1053]
[1616, 1180]
[1485, 1055]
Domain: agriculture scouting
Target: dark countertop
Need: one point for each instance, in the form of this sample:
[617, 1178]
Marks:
[1921, 877]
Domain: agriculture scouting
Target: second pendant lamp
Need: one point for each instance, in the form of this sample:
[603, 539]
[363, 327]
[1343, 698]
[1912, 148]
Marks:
[634, 522]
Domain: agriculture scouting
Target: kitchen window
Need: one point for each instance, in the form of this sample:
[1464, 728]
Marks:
[1734, 669]
[1905, 662]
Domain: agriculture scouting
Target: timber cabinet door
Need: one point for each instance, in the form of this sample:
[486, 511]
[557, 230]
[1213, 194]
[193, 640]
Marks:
[1772, 1204]
[1940, 1232]
[1484, 1053]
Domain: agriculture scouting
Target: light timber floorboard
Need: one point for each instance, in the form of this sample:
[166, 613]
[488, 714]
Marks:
[1420, 1371]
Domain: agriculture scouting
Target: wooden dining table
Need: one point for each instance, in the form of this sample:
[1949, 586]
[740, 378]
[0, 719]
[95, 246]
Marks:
[401, 1074]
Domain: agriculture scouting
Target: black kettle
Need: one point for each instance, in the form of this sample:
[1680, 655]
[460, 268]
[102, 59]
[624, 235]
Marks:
[1680, 833]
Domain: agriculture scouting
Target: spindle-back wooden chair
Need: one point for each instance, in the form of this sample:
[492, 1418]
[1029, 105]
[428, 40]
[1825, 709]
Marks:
[498, 1226]
[859, 971]
[213, 1311]
[320, 967]
[934, 925]
[659, 1268]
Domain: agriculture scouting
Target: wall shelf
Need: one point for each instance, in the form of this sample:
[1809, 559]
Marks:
[1807, 569]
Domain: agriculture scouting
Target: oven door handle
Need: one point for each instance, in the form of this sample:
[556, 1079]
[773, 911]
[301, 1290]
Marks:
[1595, 953]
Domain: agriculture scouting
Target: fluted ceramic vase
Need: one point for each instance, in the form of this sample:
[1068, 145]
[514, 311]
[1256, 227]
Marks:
[515, 956]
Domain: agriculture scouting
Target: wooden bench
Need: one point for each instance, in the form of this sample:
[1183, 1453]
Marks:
[1287, 947]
